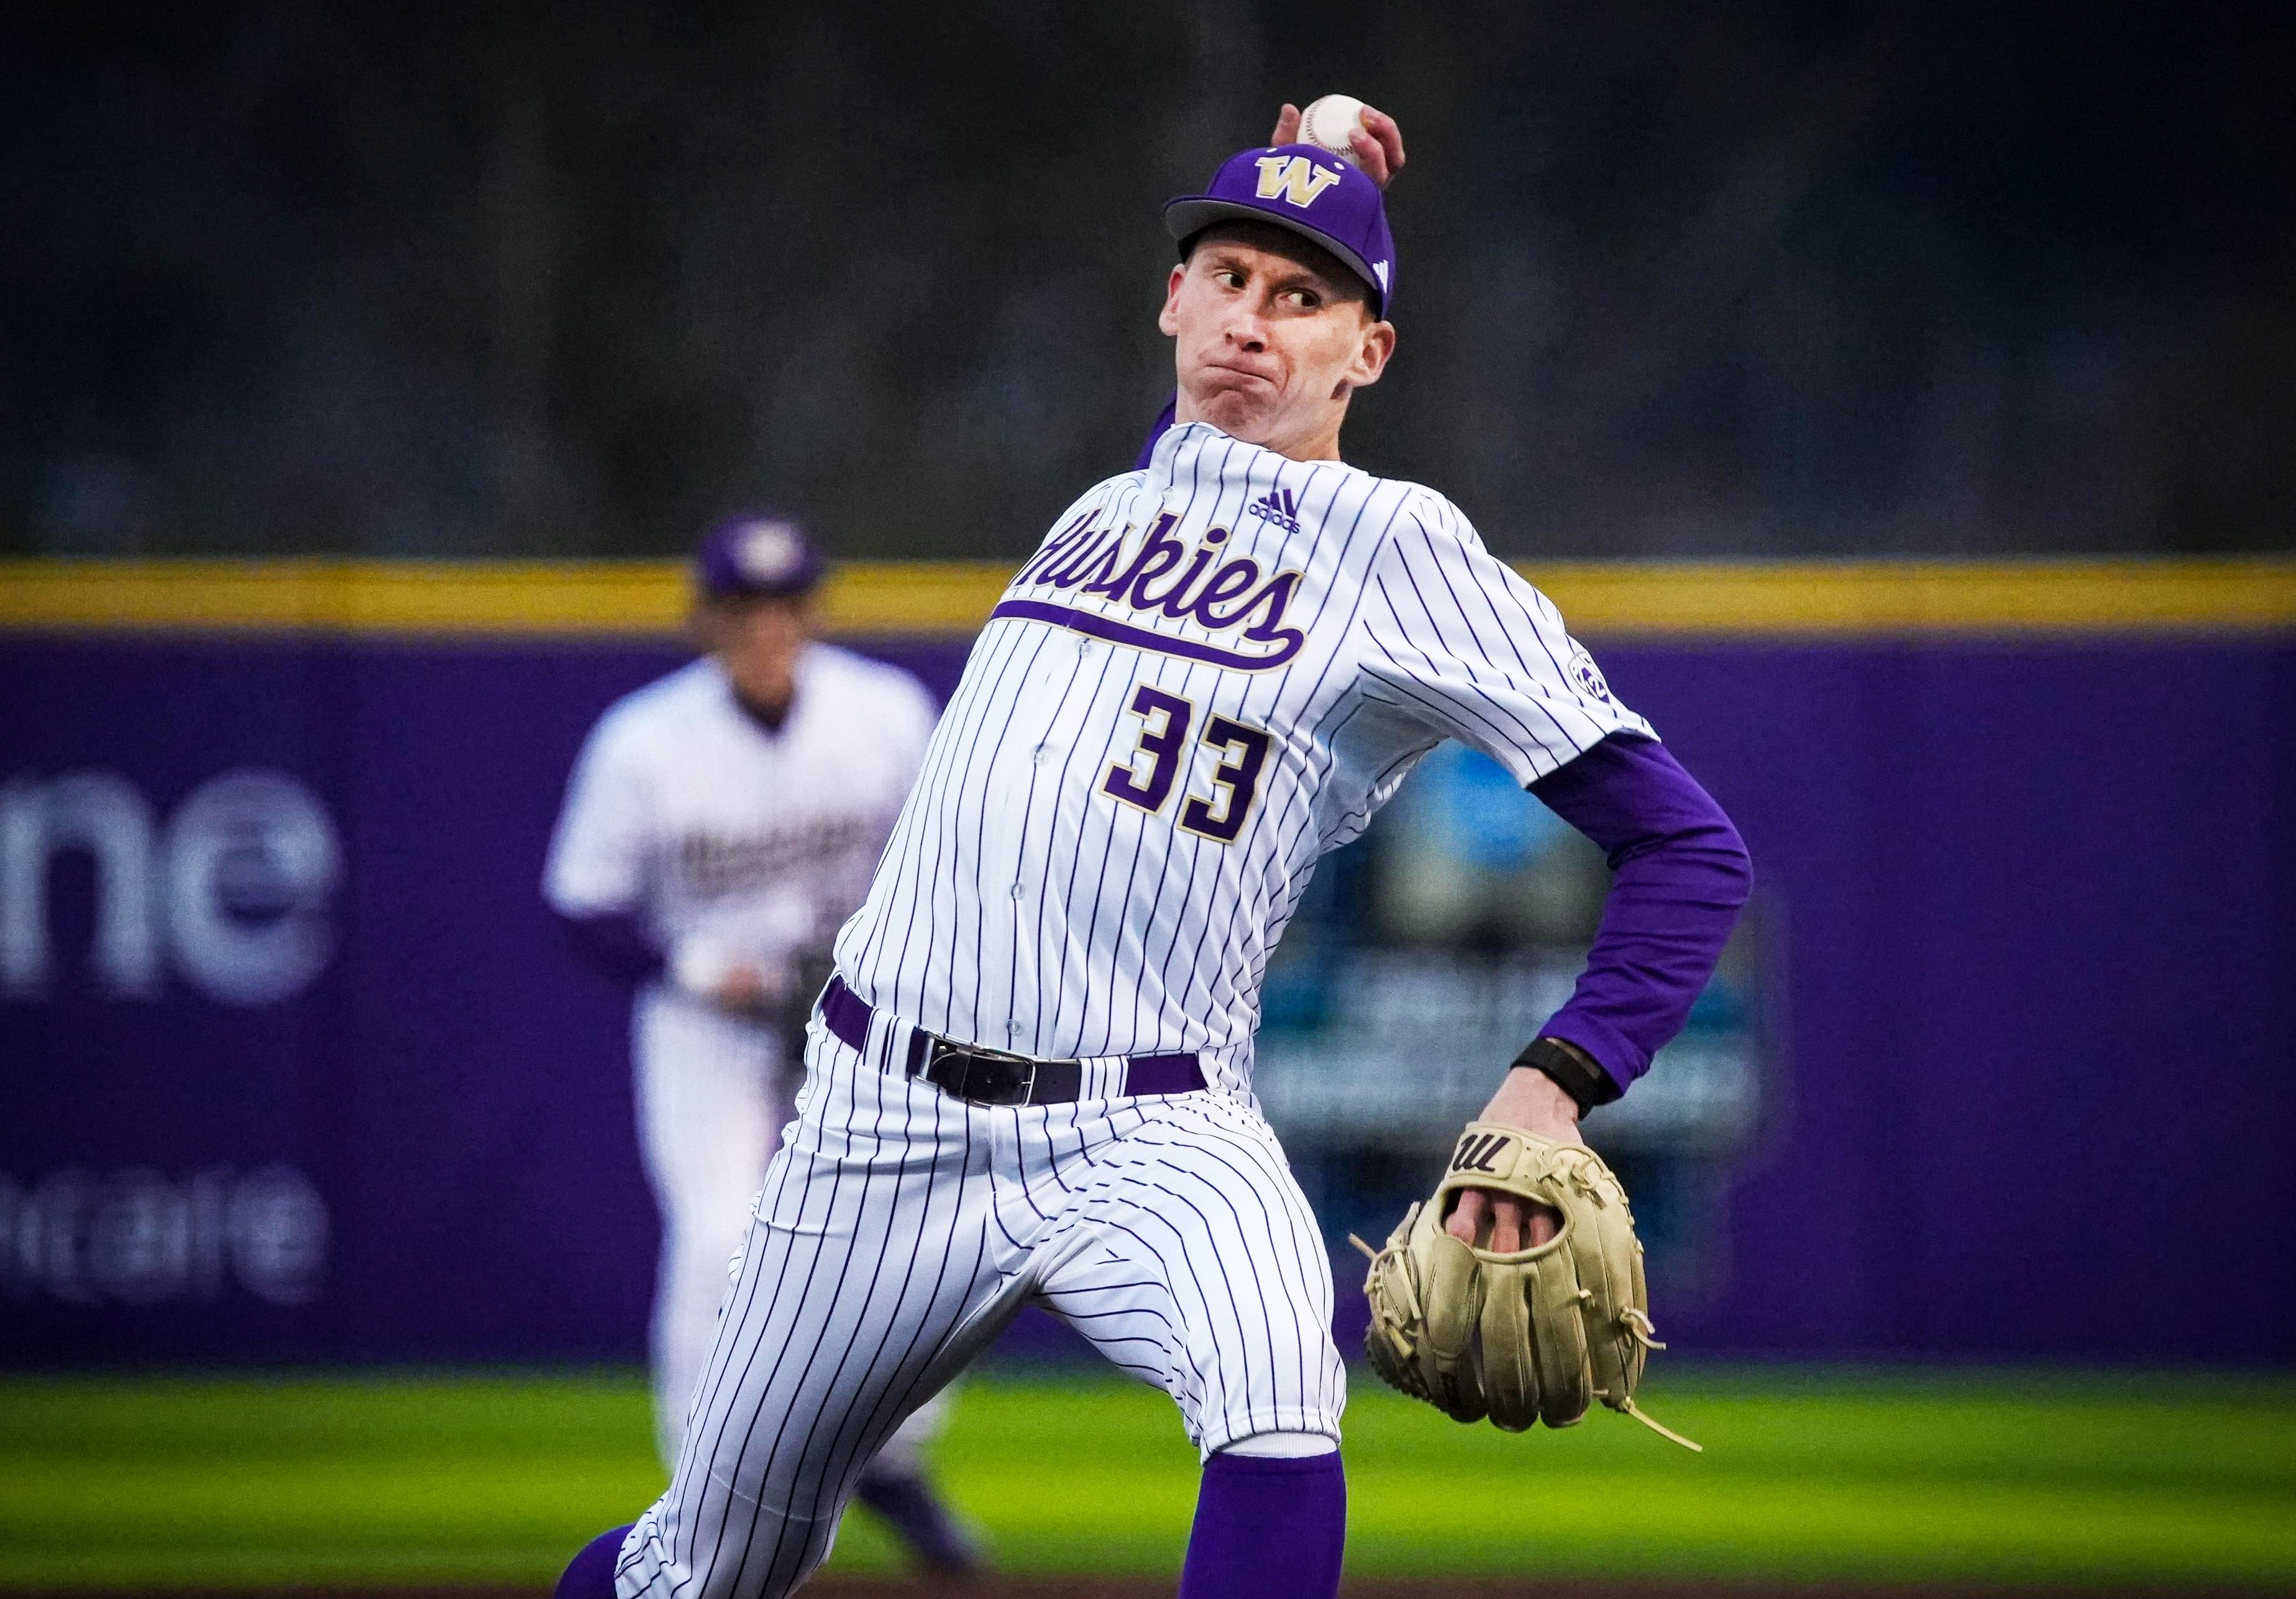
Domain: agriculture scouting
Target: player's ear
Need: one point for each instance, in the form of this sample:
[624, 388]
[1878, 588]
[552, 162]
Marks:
[1169, 318]
[1371, 354]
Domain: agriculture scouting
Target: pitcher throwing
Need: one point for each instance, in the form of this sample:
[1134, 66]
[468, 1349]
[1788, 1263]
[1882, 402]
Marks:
[1031, 1077]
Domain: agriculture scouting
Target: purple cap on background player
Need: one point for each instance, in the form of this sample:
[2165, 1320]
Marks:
[757, 558]
[1308, 191]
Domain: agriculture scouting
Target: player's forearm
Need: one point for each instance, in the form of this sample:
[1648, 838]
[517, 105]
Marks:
[1681, 874]
[613, 943]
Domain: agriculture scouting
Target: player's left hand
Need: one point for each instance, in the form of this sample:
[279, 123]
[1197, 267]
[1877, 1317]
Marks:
[1378, 143]
[1472, 1314]
[1535, 1103]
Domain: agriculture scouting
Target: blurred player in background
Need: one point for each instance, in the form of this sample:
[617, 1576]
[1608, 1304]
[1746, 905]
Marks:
[719, 826]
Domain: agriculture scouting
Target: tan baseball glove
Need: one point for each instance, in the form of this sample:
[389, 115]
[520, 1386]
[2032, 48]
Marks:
[1533, 1335]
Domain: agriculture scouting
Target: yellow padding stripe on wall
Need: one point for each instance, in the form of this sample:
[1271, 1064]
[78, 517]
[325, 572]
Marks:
[1610, 600]
[514, 598]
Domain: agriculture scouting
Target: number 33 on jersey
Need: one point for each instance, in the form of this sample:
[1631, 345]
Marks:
[1212, 672]
[1236, 781]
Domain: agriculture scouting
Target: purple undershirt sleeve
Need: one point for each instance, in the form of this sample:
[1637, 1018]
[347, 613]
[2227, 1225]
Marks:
[1157, 429]
[1680, 875]
[613, 943]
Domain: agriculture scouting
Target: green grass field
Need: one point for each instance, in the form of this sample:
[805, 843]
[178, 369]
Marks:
[1998, 1477]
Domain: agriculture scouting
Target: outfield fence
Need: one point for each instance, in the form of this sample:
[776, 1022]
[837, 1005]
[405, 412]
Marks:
[297, 1069]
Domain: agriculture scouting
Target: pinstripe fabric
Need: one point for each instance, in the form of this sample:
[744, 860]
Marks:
[713, 1096]
[899, 1230]
[1211, 672]
[1021, 907]
[730, 843]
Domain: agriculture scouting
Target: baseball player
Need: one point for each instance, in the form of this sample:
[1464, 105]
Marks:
[720, 826]
[1031, 1075]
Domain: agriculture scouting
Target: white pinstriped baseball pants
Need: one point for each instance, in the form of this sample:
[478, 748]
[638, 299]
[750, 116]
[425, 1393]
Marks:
[713, 1099]
[899, 1231]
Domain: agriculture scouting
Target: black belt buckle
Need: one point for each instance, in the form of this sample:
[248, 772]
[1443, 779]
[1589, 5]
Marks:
[983, 1077]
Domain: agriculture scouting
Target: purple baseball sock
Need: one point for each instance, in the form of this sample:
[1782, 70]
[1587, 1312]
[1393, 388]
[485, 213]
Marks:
[590, 1575]
[906, 1501]
[1267, 1529]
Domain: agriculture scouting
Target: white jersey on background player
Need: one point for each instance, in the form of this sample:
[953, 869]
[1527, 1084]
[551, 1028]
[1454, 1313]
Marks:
[714, 838]
[1030, 1080]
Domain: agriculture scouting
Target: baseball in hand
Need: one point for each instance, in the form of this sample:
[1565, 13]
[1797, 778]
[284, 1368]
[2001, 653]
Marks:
[1328, 122]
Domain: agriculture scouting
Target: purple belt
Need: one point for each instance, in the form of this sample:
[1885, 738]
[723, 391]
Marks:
[989, 1076]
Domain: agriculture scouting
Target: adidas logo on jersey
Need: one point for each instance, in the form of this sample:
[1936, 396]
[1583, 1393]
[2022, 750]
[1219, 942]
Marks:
[1277, 506]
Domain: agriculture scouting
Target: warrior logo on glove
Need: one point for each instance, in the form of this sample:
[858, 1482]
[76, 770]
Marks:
[1521, 1336]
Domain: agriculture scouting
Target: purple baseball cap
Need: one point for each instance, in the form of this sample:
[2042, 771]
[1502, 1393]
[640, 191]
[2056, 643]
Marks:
[1308, 191]
[757, 557]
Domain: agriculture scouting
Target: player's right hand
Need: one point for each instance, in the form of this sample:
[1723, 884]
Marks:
[1378, 143]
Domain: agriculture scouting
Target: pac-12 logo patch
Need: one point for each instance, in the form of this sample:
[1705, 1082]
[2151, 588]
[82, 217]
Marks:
[1294, 179]
[1588, 676]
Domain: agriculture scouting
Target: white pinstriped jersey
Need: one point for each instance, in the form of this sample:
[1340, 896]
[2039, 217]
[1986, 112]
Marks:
[685, 812]
[1211, 673]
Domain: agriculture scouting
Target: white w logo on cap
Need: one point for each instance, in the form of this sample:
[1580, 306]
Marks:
[1294, 177]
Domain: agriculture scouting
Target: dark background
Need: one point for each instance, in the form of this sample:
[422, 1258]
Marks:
[1757, 278]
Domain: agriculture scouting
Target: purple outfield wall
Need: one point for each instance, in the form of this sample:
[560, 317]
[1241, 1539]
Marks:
[2032, 1093]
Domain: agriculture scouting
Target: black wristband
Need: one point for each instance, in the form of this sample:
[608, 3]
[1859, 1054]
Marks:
[1586, 1084]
